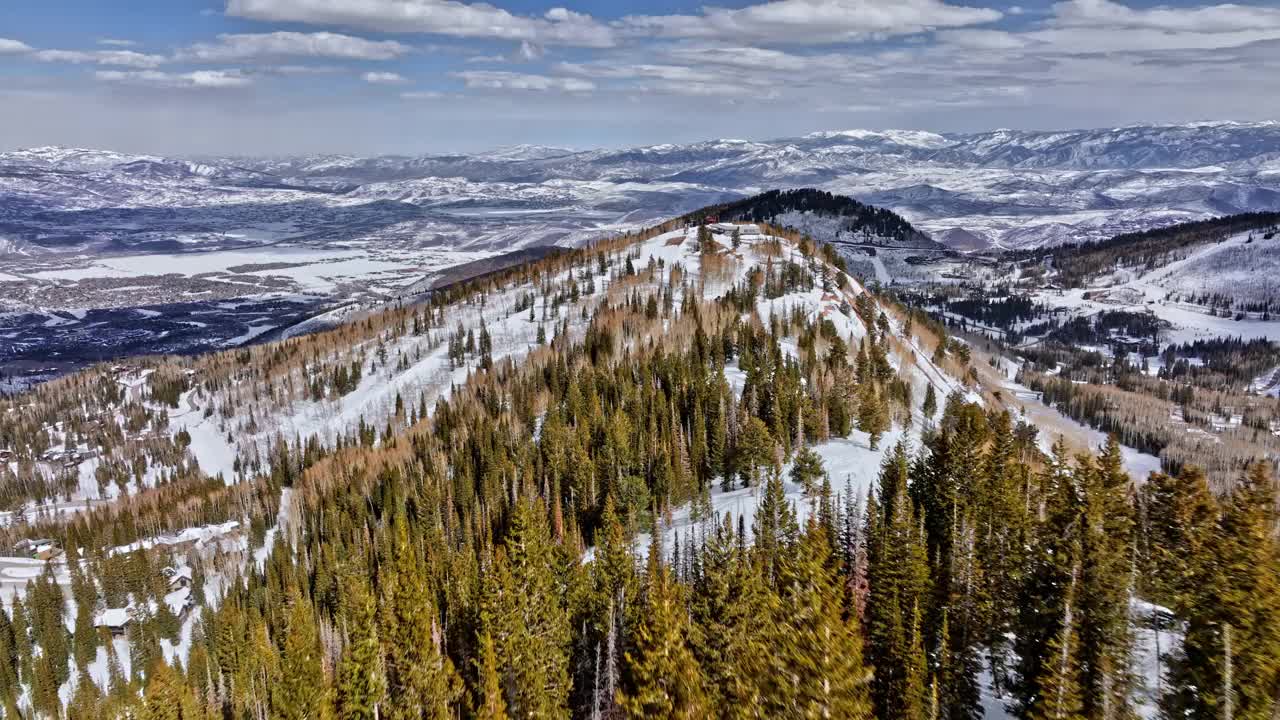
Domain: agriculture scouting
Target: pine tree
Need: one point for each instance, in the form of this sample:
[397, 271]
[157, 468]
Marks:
[662, 677]
[1235, 621]
[755, 450]
[898, 577]
[1181, 517]
[807, 470]
[86, 701]
[776, 530]
[1003, 520]
[528, 620]
[1105, 639]
[873, 414]
[1059, 684]
[930, 406]
[361, 681]
[302, 691]
[730, 608]
[817, 670]
[421, 681]
[167, 697]
[614, 585]
[1054, 557]
[491, 705]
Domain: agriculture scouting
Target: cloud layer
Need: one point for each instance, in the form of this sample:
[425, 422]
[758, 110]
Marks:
[244, 46]
[769, 68]
[557, 26]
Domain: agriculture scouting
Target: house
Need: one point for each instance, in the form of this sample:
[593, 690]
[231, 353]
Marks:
[178, 577]
[114, 620]
[37, 548]
[118, 620]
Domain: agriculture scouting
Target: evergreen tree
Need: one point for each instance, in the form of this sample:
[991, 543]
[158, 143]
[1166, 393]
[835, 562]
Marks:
[528, 620]
[662, 677]
[873, 414]
[807, 469]
[1054, 557]
[1249, 598]
[421, 681]
[730, 608]
[930, 406]
[898, 577]
[755, 450]
[361, 681]
[1181, 520]
[776, 530]
[301, 693]
[490, 705]
[817, 670]
[1059, 692]
[1229, 662]
[1105, 587]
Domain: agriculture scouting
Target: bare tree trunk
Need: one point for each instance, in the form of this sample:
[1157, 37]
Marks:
[1228, 691]
[1066, 640]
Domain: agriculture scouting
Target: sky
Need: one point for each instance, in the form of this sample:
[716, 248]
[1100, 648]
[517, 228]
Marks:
[280, 77]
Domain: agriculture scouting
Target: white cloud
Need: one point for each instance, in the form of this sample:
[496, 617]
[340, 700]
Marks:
[662, 72]
[384, 78]
[13, 47]
[746, 58]
[704, 89]
[813, 21]
[1077, 40]
[298, 69]
[421, 95]
[971, 39]
[495, 80]
[441, 17]
[118, 58]
[1207, 19]
[197, 79]
[528, 52]
[1103, 26]
[116, 42]
[253, 46]
[671, 79]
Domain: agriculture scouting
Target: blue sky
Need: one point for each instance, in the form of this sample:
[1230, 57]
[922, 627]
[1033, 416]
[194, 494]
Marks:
[378, 76]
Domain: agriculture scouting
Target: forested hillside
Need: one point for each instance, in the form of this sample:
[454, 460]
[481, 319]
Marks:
[693, 472]
[856, 219]
[1077, 264]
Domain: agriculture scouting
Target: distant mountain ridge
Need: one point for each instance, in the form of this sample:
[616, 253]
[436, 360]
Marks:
[1008, 188]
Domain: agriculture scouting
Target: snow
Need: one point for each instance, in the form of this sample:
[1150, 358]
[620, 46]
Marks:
[200, 536]
[252, 332]
[113, 617]
[209, 443]
[1151, 292]
[1053, 423]
[1157, 634]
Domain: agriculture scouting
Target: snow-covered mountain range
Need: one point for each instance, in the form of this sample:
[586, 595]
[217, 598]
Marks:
[1007, 187]
[216, 251]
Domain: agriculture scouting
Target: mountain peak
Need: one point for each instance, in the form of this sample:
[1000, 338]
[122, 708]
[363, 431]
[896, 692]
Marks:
[912, 138]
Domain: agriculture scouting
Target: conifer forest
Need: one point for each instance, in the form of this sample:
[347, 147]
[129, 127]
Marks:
[698, 471]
